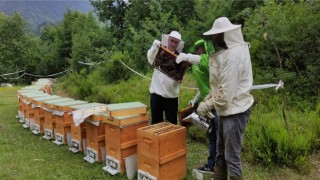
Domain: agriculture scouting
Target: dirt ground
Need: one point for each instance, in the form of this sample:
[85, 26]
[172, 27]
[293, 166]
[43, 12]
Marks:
[315, 159]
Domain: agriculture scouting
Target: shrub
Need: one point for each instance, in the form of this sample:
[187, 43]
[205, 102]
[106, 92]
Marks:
[268, 142]
[113, 71]
[292, 28]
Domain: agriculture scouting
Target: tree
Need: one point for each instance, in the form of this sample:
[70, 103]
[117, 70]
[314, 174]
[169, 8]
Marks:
[292, 29]
[112, 12]
[17, 45]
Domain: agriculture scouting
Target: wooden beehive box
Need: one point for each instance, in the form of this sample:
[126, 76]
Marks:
[23, 103]
[20, 96]
[78, 133]
[28, 110]
[63, 120]
[161, 151]
[95, 138]
[165, 61]
[22, 99]
[121, 139]
[49, 118]
[39, 113]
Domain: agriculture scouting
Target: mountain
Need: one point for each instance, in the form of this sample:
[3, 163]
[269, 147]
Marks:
[41, 12]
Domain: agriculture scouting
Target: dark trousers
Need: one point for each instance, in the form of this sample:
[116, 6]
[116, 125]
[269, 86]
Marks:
[159, 105]
[212, 140]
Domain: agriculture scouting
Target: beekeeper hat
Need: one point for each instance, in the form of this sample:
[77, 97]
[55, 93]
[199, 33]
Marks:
[175, 34]
[221, 25]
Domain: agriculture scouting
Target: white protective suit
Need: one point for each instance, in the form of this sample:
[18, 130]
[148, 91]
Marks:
[230, 76]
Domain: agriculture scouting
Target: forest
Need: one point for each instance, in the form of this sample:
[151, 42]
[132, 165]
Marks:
[89, 55]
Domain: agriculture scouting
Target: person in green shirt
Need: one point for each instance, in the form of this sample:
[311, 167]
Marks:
[201, 74]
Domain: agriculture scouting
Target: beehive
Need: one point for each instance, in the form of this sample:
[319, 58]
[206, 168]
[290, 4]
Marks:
[23, 101]
[121, 139]
[78, 133]
[49, 117]
[161, 151]
[95, 138]
[63, 119]
[39, 113]
[28, 111]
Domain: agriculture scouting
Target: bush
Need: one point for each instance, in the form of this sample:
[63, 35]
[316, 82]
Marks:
[291, 28]
[268, 141]
[113, 71]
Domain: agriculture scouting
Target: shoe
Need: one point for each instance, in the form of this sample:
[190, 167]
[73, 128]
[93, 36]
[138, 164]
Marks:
[205, 169]
[197, 175]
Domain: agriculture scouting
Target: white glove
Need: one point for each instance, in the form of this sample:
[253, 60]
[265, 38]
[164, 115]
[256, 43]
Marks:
[156, 44]
[194, 59]
[195, 100]
[203, 110]
[182, 57]
[191, 58]
[192, 103]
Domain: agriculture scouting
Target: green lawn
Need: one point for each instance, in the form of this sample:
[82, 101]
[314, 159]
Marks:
[24, 155]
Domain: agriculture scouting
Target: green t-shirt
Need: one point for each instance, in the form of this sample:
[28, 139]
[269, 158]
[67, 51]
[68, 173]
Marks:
[201, 71]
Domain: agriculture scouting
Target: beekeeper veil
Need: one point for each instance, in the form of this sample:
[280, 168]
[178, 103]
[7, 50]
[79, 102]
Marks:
[175, 34]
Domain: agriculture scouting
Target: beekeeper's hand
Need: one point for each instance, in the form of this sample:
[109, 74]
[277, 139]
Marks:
[191, 58]
[195, 100]
[203, 109]
[156, 44]
[192, 103]
[181, 57]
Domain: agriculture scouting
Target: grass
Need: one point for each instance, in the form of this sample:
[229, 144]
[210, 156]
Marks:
[27, 156]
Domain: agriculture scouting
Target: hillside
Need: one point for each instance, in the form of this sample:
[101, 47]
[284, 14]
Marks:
[41, 12]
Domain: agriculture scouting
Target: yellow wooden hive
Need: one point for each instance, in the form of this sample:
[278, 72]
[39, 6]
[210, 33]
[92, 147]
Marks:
[161, 151]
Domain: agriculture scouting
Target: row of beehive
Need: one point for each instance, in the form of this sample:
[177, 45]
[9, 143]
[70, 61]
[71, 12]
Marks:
[115, 132]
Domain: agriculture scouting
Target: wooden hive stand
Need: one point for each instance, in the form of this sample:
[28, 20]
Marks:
[63, 119]
[39, 113]
[49, 117]
[78, 133]
[161, 152]
[121, 123]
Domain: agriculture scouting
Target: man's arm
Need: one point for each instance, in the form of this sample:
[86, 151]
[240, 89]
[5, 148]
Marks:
[152, 52]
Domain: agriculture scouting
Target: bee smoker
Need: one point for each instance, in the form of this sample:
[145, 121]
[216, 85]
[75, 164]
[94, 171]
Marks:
[202, 123]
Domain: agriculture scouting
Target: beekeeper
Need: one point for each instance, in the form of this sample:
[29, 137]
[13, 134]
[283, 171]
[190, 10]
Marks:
[164, 90]
[201, 74]
[230, 80]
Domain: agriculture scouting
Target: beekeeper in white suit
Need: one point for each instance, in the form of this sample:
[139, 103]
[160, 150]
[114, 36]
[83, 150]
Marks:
[230, 80]
[164, 90]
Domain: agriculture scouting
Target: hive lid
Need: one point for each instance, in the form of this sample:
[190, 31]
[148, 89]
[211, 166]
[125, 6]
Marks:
[89, 105]
[126, 109]
[46, 98]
